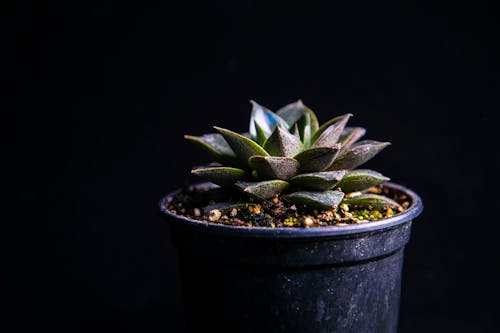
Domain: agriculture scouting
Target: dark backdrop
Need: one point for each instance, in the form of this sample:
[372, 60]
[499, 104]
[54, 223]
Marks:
[107, 90]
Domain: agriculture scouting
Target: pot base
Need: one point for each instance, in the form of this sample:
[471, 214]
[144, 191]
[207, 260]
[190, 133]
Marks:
[360, 297]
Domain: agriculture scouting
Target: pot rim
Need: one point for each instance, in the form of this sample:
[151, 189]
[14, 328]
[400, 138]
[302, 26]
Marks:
[409, 214]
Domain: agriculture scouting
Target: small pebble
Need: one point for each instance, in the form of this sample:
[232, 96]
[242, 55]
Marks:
[307, 222]
[234, 212]
[214, 215]
[197, 212]
[255, 209]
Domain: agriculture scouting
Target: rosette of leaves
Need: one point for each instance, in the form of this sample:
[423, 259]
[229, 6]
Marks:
[288, 152]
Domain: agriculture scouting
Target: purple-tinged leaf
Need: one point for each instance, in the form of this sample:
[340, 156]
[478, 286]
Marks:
[358, 154]
[329, 133]
[350, 136]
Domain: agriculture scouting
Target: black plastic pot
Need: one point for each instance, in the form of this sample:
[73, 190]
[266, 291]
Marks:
[329, 279]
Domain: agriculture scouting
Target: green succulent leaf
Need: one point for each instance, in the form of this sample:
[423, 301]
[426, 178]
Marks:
[260, 137]
[307, 125]
[283, 143]
[305, 131]
[242, 146]
[330, 135]
[350, 136]
[291, 113]
[313, 199]
[265, 119]
[360, 180]
[358, 154]
[320, 181]
[263, 190]
[317, 159]
[223, 176]
[371, 201]
[215, 144]
[274, 167]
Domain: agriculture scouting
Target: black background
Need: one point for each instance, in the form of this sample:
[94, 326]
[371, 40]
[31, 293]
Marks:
[107, 89]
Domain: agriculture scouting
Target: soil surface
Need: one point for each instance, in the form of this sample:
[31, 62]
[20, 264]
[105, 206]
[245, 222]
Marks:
[208, 206]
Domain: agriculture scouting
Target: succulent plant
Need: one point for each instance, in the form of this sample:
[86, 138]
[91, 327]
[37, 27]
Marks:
[289, 153]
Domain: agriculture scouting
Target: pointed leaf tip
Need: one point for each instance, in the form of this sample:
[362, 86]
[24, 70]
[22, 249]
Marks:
[260, 136]
[283, 143]
[329, 133]
[292, 112]
[349, 136]
[215, 144]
